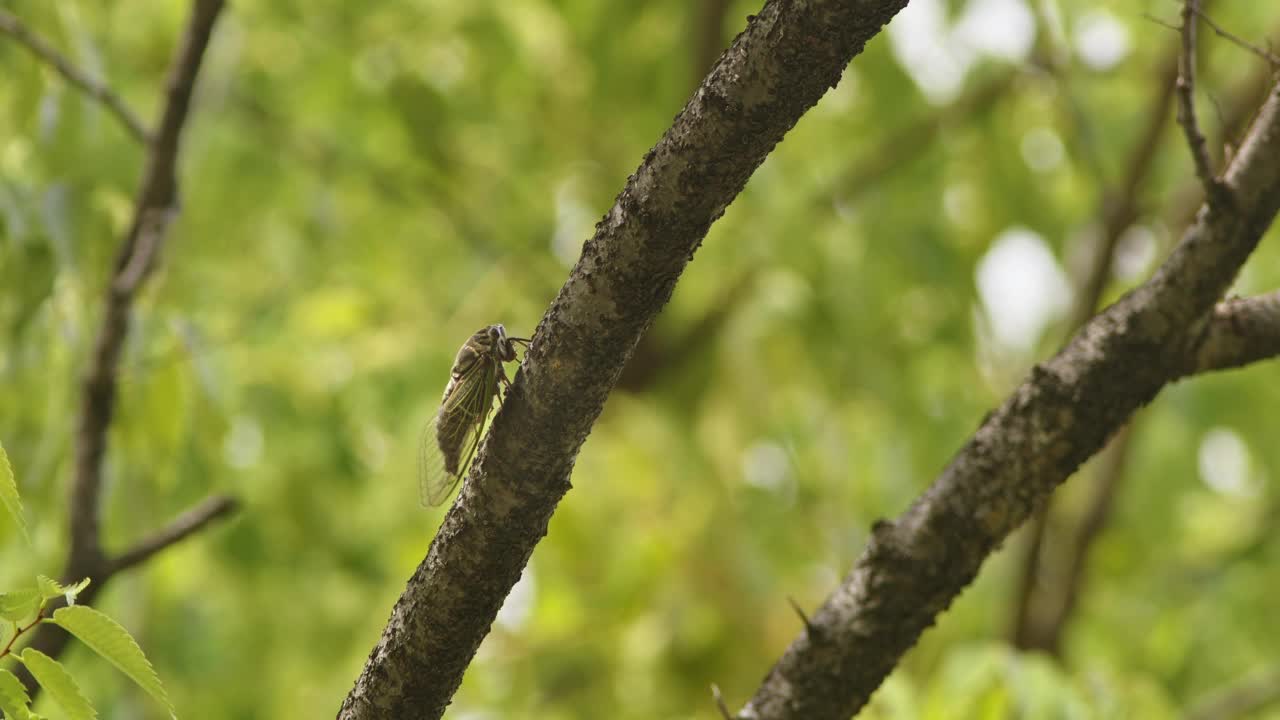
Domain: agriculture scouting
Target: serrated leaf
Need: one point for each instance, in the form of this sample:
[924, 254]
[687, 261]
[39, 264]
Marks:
[110, 640]
[50, 588]
[14, 700]
[9, 494]
[18, 605]
[56, 681]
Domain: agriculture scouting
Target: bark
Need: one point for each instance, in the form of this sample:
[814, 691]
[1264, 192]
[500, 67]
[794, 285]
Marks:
[785, 60]
[913, 567]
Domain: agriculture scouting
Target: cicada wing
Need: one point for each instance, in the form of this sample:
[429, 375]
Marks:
[450, 440]
[434, 482]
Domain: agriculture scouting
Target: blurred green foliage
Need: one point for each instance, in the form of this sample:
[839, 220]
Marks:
[365, 185]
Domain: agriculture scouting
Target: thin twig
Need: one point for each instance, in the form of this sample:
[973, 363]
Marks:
[178, 529]
[1215, 191]
[724, 709]
[1267, 56]
[15, 28]
[808, 626]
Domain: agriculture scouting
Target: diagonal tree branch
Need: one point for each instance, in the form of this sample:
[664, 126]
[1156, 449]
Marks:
[100, 91]
[913, 567]
[156, 203]
[777, 68]
[1119, 208]
[188, 523]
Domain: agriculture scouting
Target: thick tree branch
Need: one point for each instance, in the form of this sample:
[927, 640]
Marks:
[913, 567]
[1119, 208]
[178, 529]
[155, 204]
[14, 27]
[788, 56]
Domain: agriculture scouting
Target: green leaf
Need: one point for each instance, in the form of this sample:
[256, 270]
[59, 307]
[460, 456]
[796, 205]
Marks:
[50, 588]
[14, 700]
[107, 638]
[9, 494]
[56, 681]
[18, 605]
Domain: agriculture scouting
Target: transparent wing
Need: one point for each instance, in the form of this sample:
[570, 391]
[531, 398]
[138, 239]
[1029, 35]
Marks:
[450, 439]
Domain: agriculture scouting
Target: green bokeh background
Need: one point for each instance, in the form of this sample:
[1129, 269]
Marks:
[366, 184]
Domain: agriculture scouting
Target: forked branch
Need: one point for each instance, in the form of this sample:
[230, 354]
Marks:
[155, 205]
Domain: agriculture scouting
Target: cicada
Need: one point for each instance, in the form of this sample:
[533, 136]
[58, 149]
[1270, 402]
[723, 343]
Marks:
[450, 440]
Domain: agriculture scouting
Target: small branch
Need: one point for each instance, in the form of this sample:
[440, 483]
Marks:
[1240, 331]
[724, 709]
[15, 28]
[1215, 191]
[1267, 56]
[180, 528]
[18, 630]
[808, 626]
[155, 203]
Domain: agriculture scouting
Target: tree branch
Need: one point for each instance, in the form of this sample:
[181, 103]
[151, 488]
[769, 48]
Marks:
[913, 567]
[777, 68]
[155, 204]
[1119, 208]
[178, 529]
[1240, 331]
[1213, 187]
[42, 49]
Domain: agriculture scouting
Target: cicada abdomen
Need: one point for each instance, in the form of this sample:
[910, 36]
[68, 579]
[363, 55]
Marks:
[450, 440]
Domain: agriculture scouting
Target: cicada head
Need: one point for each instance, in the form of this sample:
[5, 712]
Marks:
[503, 346]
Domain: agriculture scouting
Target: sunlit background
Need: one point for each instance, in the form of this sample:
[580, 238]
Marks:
[364, 185]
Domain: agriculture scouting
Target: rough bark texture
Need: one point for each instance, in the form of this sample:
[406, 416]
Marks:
[913, 567]
[788, 56]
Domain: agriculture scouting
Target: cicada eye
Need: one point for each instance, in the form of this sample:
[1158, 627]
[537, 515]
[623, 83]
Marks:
[497, 335]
